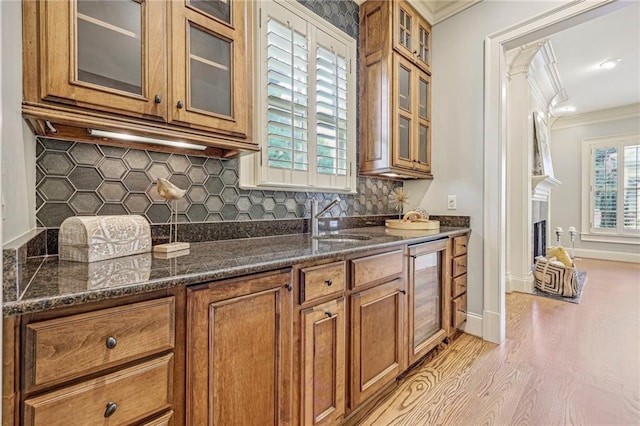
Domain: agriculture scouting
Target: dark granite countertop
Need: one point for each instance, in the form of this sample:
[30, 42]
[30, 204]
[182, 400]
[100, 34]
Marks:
[43, 283]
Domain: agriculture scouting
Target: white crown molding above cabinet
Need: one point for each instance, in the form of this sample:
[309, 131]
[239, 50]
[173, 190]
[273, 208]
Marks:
[601, 116]
[435, 11]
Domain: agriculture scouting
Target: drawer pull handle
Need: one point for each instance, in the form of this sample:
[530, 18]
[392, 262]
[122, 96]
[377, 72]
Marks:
[111, 342]
[328, 314]
[111, 408]
[328, 282]
[289, 287]
[403, 291]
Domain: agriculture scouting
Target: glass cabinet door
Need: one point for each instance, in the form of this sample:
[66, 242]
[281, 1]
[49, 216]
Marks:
[404, 28]
[423, 137]
[404, 108]
[109, 55]
[424, 46]
[427, 292]
[210, 67]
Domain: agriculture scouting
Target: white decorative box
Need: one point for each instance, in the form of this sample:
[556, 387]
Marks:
[93, 238]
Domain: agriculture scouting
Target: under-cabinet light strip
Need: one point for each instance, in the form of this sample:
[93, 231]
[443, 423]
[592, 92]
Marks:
[144, 139]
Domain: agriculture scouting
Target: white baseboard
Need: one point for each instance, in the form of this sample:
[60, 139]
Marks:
[473, 325]
[493, 330]
[520, 284]
[608, 255]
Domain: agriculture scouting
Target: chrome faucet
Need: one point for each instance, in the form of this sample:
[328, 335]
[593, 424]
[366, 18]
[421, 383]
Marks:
[315, 214]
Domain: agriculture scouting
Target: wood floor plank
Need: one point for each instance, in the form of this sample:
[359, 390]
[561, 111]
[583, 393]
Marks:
[561, 363]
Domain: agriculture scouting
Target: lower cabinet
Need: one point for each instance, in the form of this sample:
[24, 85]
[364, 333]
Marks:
[323, 363]
[376, 339]
[238, 351]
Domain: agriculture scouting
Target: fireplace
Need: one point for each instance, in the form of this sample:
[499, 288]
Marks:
[539, 239]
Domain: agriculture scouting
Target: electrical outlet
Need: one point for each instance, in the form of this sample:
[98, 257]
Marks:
[452, 202]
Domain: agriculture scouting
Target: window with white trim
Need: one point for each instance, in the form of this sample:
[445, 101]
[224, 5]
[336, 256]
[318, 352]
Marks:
[612, 188]
[305, 103]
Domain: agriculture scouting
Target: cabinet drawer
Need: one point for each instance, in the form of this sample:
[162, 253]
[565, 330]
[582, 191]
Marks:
[69, 347]
[459, 310]
[164, 420]
[459, 265]
[377, 267]
[323, 280]
[137, 392]
[460, 245]
[459, 285]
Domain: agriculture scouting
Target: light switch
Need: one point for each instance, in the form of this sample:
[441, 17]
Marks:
[452, 202]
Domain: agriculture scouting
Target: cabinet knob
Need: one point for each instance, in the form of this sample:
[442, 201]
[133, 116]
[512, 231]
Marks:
[328, 314]
[157, 99]
[111, 408]
[288, 287]
[328, 282]
[403, 291]
[111, 342]
[180, 105]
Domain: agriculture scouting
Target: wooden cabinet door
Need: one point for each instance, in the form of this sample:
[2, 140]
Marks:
[376, 339]
[210, 65]
[104, 55]
[422, 114]
[404, 29]
[238, 351]
[404, 113]
[322, 363]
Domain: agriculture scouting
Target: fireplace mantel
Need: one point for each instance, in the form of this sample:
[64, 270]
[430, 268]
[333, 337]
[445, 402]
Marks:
[541, 185]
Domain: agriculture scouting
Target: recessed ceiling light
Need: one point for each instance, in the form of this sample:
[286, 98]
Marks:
[567, 109]
[607, 65]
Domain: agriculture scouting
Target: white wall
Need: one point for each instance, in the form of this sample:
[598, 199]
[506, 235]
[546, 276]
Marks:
[18, 142]
[566, 199]
[457, 120]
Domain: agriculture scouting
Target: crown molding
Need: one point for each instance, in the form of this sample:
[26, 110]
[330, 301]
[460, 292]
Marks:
[446, 9]
[435, 11]
[601, 116]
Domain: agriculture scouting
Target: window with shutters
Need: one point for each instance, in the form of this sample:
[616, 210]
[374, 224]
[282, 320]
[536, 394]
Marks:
[305, 103]
[611, 184]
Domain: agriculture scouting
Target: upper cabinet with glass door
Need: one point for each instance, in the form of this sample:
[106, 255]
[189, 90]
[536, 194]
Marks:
[209, 65]
[411, 34]
[106, 55]
[174, 69]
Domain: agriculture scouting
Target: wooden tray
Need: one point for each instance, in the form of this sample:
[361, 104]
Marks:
[421, 224]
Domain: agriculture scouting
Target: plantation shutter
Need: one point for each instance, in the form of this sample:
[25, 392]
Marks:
[605, 187]
[331, 112]
[287, 95]
[307, 122]
[631, 187]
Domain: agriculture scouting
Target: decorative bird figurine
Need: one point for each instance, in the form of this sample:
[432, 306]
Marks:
[169, 191]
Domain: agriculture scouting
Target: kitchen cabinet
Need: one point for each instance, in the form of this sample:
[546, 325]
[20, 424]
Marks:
[459, 281]
[411, 34]
[376, 327]
[239, 351]
[428, 308]
[114, 363]
[396, 92]
[322, 353]
[176, 70]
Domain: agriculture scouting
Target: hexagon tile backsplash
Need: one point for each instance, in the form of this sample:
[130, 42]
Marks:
[74, 178]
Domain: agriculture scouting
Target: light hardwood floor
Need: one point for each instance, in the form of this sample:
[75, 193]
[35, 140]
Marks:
[561, 363]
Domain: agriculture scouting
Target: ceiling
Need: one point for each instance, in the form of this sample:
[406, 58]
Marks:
[581, 49]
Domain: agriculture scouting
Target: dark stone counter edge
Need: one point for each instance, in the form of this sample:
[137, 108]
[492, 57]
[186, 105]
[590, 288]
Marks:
[47, 303]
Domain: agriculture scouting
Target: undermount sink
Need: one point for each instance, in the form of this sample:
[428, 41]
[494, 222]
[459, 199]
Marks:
[341, 238]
